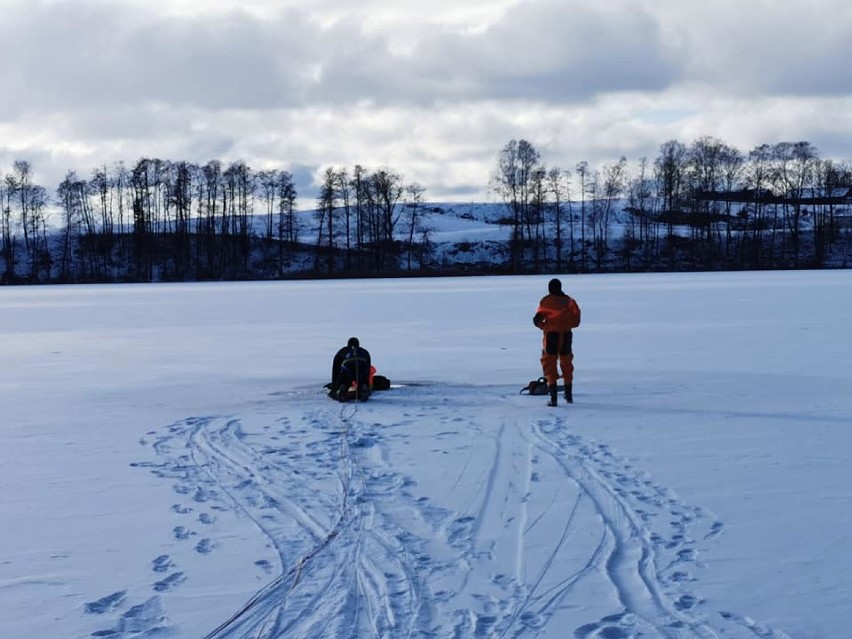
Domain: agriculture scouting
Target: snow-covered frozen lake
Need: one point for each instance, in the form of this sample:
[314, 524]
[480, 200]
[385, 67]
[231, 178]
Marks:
[171, 466]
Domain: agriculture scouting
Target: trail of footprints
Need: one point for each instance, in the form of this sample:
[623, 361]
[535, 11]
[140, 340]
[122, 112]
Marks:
[202, 502]
[149, 617]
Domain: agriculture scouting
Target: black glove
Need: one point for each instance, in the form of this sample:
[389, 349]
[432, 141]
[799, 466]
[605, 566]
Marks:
[538, 319]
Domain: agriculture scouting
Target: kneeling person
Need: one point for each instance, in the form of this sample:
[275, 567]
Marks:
[351, 366]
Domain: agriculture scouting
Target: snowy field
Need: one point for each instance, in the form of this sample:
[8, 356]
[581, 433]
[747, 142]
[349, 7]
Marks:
[171, 466]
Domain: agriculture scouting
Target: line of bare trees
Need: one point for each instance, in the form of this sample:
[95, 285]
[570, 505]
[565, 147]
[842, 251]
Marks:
[359, 216]
[155, 220]
[699, 206]
[163, 220]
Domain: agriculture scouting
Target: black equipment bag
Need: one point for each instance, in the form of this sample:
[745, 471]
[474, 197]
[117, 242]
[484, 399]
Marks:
[380, 383]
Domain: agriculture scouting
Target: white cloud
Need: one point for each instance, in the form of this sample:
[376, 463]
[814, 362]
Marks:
[434, 92]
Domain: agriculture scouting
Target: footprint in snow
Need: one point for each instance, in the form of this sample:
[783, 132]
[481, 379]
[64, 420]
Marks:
[162, 563]
[620, 626]
[182, 532]
[205, 546]
[173, 580]
[201, 495]
[105, 604]
[146, 619]
[182, 489]
[686, 602]
[715, 530]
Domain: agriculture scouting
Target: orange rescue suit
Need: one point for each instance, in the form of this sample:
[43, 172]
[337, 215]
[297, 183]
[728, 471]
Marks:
[557, 314]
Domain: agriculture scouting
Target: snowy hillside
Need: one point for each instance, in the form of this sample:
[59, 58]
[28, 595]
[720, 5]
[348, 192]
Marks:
[173, 468]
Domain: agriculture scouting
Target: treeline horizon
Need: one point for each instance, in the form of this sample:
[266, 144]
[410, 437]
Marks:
[702, 206]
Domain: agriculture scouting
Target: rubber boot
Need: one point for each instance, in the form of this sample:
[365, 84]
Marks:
[342, 393]
[569, 395]
[553, 395]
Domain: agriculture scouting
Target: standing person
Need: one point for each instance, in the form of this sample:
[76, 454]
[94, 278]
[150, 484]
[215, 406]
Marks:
[351, 364]
[556, 316]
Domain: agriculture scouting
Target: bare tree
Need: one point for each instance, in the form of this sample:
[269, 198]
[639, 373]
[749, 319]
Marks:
[386, 188]
[669, 169]
[268, 184]
[288, 230]
[583, 173]
[359, 188]
[757, 178]
[559, 188]
[513, 180]
[7, 228]
[796, 164]
[208, 197]
[40, 258]
[534, 221]
[326, 205]
[71, 196]
[613, 185]
[20, 182]
[733, 163]
[413, 201]
[143, 185]
[705, 176]
[344, 186]
[180, 201]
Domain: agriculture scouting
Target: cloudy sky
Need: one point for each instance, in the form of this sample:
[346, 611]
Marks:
[434, 93]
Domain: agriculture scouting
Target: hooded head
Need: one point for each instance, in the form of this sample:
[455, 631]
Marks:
[353, 341]
[554, 286]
